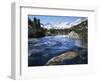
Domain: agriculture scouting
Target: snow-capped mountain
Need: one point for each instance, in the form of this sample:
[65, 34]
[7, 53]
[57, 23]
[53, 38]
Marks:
[48, 26]
[64, 25]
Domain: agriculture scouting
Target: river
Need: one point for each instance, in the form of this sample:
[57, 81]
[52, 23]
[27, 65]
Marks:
[40, 50]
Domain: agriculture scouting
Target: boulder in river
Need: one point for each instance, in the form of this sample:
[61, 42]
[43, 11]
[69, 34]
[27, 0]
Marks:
[57, 60]
[73, 35]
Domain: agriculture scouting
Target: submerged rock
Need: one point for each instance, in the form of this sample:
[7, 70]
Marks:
[65, 56]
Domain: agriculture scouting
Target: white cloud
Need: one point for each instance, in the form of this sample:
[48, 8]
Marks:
[79, 20]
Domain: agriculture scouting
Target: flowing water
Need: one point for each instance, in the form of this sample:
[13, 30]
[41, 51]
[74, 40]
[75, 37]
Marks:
[40, 50]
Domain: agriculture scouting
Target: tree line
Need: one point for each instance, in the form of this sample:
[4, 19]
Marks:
[34, 28]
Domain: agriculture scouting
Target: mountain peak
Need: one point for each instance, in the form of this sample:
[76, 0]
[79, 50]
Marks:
[64, 25]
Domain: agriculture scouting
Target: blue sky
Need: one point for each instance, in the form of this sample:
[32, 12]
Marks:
[55, 19]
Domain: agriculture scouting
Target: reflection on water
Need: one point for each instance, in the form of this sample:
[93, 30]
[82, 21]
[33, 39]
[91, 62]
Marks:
[40, 50]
